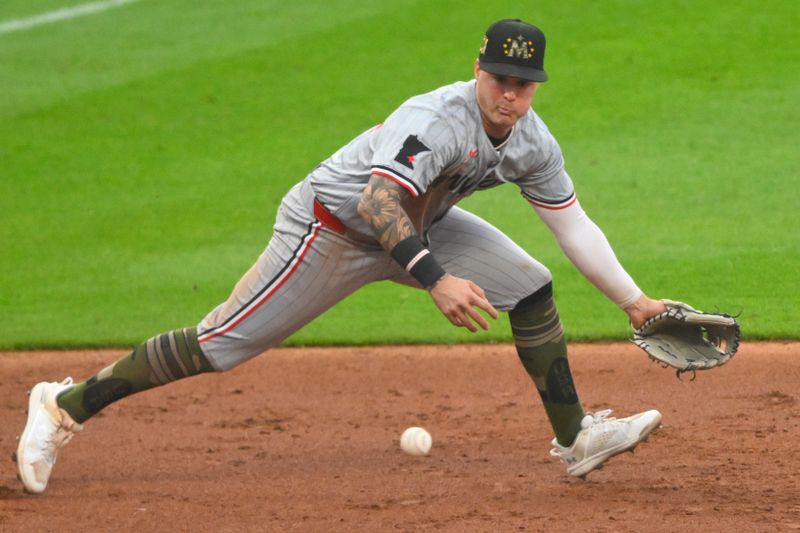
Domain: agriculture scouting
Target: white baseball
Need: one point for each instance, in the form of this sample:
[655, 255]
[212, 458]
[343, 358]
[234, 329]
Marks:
[416, 441]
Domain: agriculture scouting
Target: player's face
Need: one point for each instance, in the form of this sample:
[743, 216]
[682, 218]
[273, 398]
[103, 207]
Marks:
[502, 100]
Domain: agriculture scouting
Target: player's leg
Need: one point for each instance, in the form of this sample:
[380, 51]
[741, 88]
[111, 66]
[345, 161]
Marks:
[539, 339]
[305, 269]
[469, 247]
[56, 411]
[160, 360]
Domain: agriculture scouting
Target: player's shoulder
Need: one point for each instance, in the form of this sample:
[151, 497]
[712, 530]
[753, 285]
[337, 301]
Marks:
[453, 104]
[531, 146]
[532, 126]
[439, 118]
[454, 94]
[460, 95]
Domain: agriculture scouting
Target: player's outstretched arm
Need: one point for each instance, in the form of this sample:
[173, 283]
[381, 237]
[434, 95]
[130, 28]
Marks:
[644, 308]
[587, 247]
[589, 250]
[381, 207]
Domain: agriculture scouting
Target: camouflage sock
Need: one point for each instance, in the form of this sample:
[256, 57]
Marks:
[540, 343]
[164, 358]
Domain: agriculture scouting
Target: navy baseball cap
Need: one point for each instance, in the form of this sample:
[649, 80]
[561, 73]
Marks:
[515, 48]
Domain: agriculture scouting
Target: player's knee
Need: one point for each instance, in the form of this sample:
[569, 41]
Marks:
[540, 297]
[226, 365]
[224, 353]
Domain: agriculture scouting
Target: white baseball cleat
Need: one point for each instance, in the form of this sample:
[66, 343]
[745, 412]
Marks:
[603, 437]
[48, 429]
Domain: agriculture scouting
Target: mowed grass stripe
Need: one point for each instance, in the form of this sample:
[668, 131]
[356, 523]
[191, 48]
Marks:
[150, 175]
[58, 15]
[156, 194]
[52, 64]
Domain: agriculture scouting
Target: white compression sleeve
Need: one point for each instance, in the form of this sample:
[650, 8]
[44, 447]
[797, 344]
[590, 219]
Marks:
[588, 249]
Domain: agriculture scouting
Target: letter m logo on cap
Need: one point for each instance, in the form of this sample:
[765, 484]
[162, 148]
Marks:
[518, 47]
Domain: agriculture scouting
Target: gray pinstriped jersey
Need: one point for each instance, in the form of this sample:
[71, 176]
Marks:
[434, 145]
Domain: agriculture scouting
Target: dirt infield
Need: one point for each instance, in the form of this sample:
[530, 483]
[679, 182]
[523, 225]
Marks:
[306, 440]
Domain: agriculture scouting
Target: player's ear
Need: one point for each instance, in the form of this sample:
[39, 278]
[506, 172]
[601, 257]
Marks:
[477, 67]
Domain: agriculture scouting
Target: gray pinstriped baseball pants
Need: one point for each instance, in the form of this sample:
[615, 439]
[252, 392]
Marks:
[307, 268]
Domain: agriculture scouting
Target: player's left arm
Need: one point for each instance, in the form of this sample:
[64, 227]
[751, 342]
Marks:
[642, 309]
[587, 247]
[549, 189]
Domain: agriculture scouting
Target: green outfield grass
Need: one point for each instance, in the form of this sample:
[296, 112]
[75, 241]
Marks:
[144, 151]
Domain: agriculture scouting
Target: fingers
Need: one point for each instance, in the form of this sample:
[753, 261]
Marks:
[477, 317]
[482, 302]
[489, 308]
[460, 300]
[468, 315]
[461, 318]
[477, 289]
[463, 323]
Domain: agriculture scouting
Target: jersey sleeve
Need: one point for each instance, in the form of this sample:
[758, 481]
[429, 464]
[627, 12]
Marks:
[545, 182]
[412, 148]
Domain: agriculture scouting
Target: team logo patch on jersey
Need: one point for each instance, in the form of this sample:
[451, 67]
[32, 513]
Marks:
[411, 148]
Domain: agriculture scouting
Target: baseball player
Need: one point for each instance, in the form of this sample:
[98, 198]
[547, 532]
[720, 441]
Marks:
[383, 207]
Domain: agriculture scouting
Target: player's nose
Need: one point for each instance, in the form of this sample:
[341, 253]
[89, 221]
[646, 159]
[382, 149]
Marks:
[509, 92]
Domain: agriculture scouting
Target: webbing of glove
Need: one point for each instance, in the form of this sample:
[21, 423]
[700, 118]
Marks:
[687, 339]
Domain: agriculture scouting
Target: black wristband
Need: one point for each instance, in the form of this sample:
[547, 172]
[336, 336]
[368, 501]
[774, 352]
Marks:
[418, 261]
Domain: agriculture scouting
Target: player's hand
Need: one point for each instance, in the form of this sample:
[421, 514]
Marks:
[458, 299]
[642, 309]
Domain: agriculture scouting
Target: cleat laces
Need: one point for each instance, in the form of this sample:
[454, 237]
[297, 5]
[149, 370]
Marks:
[60, 434]
[597, 418]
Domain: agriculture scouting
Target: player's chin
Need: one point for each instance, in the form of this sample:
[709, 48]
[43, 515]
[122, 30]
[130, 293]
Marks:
[506, 119]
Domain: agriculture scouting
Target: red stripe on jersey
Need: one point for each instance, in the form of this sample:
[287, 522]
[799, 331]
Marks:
[554, 206]
[397, 180]
[267, 294]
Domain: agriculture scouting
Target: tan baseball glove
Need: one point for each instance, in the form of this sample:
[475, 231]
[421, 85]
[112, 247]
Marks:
[687, 339]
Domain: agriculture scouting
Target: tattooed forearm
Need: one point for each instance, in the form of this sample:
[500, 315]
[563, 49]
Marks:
[380, 207]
